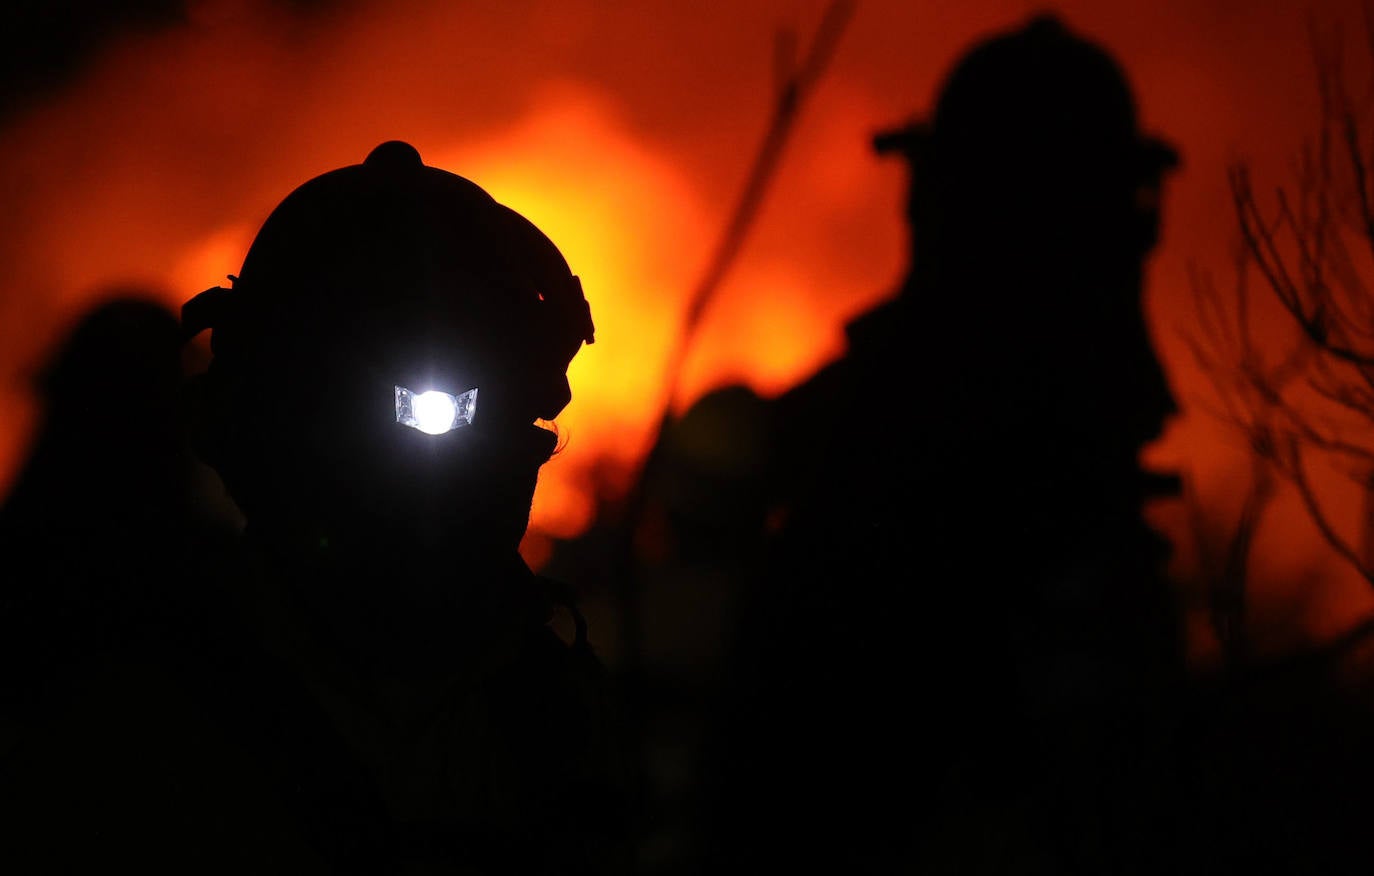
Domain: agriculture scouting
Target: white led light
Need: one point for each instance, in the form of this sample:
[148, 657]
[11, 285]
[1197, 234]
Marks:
[434, 412]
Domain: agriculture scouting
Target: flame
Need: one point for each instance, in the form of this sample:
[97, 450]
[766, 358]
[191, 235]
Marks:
[623, 132]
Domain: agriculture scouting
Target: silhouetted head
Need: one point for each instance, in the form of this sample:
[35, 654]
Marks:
[1034, 203]
[110, 447]
[1035, 140]
[374, 299]
[114, 377]
[714, 477]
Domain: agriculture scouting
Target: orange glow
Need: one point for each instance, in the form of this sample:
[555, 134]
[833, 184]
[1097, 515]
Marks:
[624, 131]
[211, 260]
[627, 222]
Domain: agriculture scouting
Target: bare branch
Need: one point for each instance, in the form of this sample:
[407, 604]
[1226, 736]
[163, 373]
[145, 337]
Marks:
[1296, 471]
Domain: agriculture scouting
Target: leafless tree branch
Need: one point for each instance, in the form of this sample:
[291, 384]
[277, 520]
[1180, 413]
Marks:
[1298, 402]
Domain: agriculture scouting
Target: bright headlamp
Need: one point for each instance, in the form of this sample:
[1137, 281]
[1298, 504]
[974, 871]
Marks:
[434, 412]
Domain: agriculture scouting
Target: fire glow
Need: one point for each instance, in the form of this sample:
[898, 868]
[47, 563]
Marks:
[622, 133]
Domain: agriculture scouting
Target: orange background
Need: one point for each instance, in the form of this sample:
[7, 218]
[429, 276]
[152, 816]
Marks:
[624, 131]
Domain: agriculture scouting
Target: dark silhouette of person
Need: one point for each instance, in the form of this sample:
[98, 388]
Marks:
[108, 505]
[962, 654]
[376, 687]
[697, 548]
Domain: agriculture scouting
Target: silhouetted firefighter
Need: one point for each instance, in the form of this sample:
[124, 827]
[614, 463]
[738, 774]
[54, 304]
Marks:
[106, 511]
[378, 688]
[962, 654]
